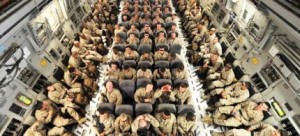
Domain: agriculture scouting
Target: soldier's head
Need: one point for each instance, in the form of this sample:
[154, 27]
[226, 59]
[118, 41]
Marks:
[161, 50]
[263, 106]
[128, 49]
[143, 123]
[147, 26]
[161, 34]
[132, 27]
[131, 36]
[72, 69]
[76, 44]
[279, 132]
[117, 38]
[126, 67]
[214, 56]
[190, 116]
[113, 65]
[43, 106]
[109, 86]
[183, 87]
[115, 50]
[149, 87]
[123, 117]
[162, 70]
[173, 27]
[50, 87]
[144, 68]
[146, 54]
[245, 85]
[172, 55]
[124, 18]
[166, 114]
[173, 35]
[215, 40]
[180, 67]
[212, 30]
[146, 35]
[200, 25]
[158, 25]
[103, 113]
[228, 66]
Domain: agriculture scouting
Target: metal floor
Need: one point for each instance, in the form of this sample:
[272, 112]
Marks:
[86, 129]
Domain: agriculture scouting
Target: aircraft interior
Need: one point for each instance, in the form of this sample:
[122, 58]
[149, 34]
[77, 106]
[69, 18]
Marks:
[149, 68]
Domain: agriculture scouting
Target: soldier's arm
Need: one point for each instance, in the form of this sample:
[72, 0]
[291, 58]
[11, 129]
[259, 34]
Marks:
[119, 98]
[116, 125]
[253, 120]
[172, 96]
[189, 98]
[229, 79]
[174, 129]
[134, 126]
[134, 74]
[168, 74]
[258, 125]
[157, 93]
[179, 128]
[136, 96]
[193, 128]
[110, 130]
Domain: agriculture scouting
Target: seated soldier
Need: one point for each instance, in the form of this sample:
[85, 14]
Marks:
[75, 60]
[74, 77]
[132, 39]
[161, 73]
[45, 112]
[107, 122]
[161, 54]
[167, 123]
[93, 55]
[118, 40]
[36, 129]
[211, 65]
[161, 38]
[232, 94]
[263, 129]
[178, 72]
[183, 94]
[114, 71]
[71, 108]
[143, 125]
[144, 72]
[172, 56]
[146, 39]
[147, 29]
[58, 92]
[186, 124]
[173, 39]
[117, 55]
[225, 77]
[123, 125]
[159, 28]
[165, 94]
[247, 113]
[133, 29]
[130, 54]
[128, 73]
[146, 56]
[145, 94]
[111, 94]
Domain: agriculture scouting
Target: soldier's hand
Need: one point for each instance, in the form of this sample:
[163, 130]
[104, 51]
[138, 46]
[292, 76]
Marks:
[102, 134]
[146, 100]
[250, 129]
